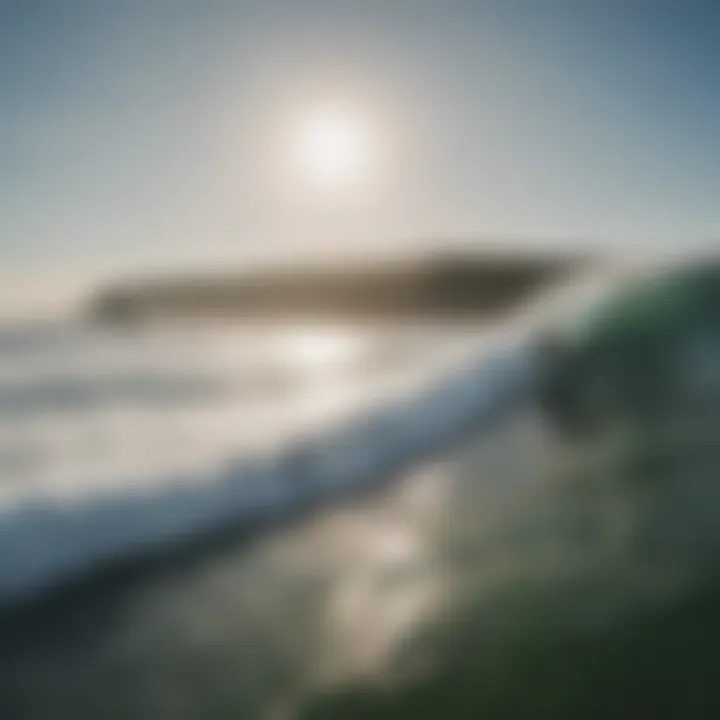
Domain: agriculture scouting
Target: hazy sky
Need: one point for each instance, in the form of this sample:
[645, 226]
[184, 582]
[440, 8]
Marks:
[137, 133]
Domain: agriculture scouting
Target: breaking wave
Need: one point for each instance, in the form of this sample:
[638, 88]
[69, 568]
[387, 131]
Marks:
[47, 539]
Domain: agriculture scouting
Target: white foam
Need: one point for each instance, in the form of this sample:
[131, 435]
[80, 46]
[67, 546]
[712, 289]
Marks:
[45, 540]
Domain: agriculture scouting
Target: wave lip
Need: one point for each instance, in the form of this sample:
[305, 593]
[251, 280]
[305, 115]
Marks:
[45, 543]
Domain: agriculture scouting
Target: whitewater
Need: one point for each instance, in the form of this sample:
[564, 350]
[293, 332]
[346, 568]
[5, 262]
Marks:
[116, 443]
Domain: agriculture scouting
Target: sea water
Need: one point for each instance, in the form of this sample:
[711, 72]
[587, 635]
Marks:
[501, 571]
[112, 440]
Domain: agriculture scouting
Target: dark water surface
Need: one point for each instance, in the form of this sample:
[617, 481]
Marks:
[511, 577]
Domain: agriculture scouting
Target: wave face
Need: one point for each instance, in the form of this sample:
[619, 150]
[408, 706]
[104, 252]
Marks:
[114, 445]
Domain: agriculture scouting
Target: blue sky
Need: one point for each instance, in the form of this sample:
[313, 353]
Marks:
[145, 133]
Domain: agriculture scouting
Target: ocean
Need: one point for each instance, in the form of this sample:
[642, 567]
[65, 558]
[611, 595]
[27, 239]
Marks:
[335, 522]
[107, 434]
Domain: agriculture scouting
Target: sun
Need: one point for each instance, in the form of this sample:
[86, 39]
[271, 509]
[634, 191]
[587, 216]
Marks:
[333, 148]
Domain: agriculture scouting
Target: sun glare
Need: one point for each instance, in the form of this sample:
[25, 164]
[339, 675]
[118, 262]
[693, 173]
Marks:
[333, 148]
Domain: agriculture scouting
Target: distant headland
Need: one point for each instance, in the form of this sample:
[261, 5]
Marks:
[439, 285]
